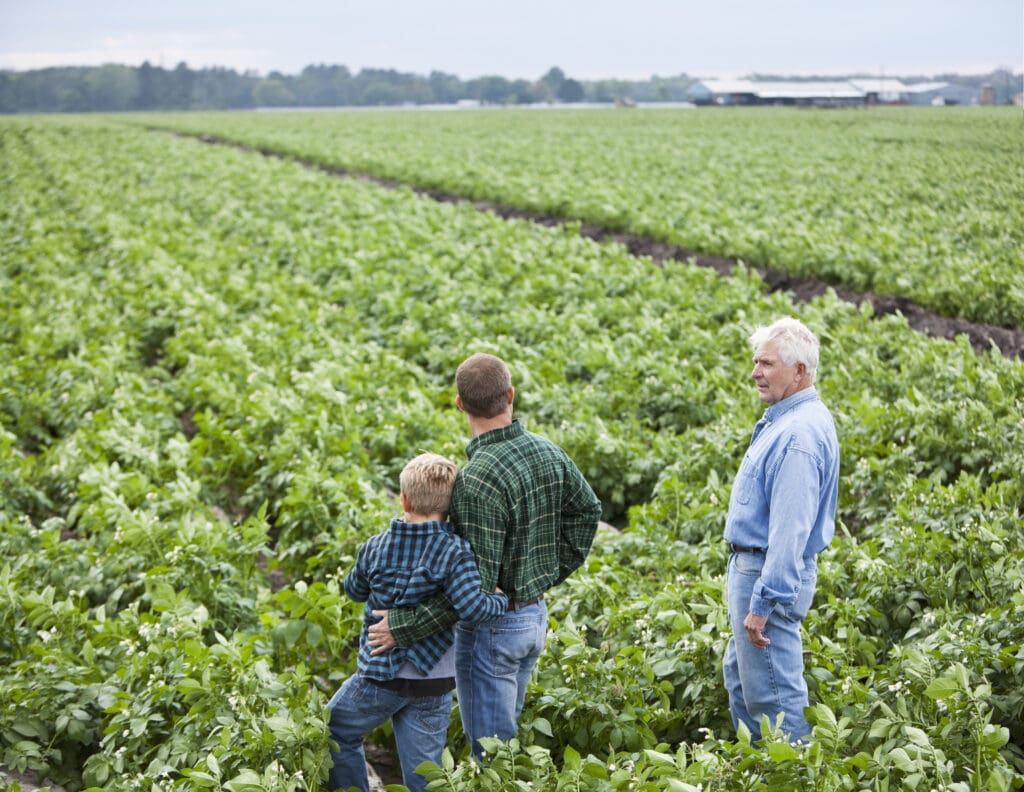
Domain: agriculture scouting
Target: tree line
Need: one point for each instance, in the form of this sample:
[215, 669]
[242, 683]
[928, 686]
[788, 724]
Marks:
[115, 88]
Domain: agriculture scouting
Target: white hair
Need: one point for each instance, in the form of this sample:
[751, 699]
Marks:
[792, 340]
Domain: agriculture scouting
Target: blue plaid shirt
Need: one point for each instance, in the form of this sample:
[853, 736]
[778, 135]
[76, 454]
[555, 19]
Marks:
[404, 565]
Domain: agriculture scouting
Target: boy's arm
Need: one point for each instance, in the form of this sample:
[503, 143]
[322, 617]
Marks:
[357, 585]
[464, 588]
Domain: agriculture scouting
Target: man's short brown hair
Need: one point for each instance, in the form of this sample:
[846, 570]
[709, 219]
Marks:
[427, 482]
[483, 382]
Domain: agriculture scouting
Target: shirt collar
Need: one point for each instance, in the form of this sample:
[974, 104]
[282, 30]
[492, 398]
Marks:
[402, 527]
[777, 410]
[515, 429]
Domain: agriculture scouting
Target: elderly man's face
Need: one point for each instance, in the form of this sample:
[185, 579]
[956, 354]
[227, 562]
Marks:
[775, 380]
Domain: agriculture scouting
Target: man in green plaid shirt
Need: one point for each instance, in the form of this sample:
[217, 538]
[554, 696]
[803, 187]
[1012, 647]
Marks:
[530, 517]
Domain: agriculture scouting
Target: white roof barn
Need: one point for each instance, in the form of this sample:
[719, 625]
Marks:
[942, 93]
[882, 89]
[799, 92]
[808, 90]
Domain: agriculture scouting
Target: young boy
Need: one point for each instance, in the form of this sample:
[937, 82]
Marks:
[418, 556]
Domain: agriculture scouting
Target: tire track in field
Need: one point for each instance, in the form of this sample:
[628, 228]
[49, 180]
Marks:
[982, 337]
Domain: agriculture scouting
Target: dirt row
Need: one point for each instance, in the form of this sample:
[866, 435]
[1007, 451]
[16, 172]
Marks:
[1009, 341]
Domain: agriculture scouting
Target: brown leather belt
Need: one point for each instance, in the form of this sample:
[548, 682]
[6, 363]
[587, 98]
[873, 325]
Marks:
[514, 606]
[741, 549]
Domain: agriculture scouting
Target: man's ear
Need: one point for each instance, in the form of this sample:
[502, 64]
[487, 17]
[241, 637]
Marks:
[459, 404]
[405, 502]
[511, 394]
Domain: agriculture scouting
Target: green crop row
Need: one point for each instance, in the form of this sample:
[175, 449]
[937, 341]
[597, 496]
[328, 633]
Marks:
[912, 202]
[215, 365]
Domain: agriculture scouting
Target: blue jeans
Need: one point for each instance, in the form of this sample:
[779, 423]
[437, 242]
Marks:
[767, 681]
[359, 707]
[493, 663]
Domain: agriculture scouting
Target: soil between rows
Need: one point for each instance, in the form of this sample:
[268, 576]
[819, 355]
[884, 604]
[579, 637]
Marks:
[982, 337]
[1009, 341]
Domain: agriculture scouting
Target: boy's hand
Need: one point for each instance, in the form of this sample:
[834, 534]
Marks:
[378, 635]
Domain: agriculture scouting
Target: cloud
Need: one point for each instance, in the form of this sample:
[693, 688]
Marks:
[165, 49]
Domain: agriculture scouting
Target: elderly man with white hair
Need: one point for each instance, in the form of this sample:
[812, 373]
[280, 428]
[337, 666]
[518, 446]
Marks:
[781, 516]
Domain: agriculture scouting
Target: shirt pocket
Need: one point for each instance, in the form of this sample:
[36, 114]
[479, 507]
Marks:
[747, 481]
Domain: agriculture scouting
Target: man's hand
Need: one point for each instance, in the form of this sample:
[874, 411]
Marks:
[754, 626]
[379, 634]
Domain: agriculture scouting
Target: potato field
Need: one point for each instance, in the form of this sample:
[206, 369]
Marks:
[223, 335]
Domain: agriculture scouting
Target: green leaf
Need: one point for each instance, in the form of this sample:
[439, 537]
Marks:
[490, 744]
[994, 736]
[659, 758]
[291, 631]
[782, 752]
[199, 778]
[902, 761]
[941, 688]
[595, 770]
[917, 736]
[880, 728]
[675, 785]
[28, 728]
[246, 779]
[188, 685]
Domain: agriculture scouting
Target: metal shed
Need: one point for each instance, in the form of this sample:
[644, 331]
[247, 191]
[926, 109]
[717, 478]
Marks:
[762, 92]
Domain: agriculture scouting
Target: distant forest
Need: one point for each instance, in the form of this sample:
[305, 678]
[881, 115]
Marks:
[116, 88]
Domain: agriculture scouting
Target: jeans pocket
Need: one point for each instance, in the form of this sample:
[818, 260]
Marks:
[797, 612]
[749, 564]
[433, 713]
[511, 644]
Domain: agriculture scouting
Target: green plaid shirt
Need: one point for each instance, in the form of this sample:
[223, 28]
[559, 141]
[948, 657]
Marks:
[528, 514]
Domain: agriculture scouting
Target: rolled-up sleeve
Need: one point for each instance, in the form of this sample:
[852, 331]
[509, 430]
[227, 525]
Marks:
[795, 498]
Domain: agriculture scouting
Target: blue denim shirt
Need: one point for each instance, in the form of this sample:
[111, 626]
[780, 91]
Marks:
[784, 497]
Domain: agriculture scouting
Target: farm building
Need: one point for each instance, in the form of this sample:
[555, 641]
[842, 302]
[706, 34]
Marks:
[941, 93]
[882, 91]
[821, 93]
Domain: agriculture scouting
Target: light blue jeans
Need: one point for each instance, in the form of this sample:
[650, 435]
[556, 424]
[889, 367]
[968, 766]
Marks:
[767, 681]
[359, 707]
[493, 663]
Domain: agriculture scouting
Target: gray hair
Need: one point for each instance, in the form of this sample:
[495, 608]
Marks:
[792, 340]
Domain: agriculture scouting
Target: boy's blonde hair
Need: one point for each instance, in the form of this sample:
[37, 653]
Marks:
[427, 482]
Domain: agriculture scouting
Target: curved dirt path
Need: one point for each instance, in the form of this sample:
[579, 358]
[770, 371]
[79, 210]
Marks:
[1009, 341]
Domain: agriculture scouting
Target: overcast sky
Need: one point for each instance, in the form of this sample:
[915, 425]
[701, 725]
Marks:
[587, 39]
